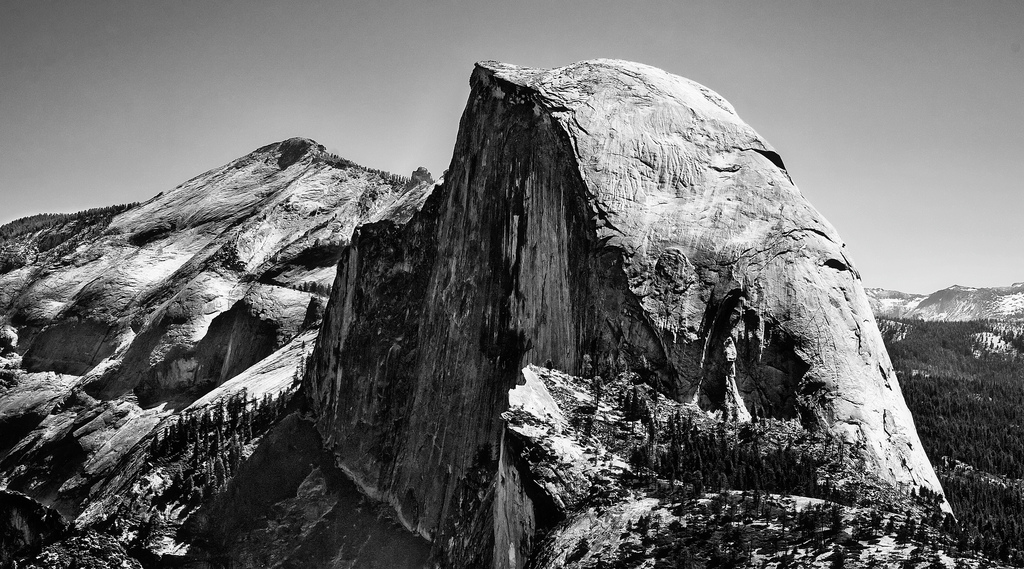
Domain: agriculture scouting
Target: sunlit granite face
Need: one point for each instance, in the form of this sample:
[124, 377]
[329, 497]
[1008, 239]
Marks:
[608, 209]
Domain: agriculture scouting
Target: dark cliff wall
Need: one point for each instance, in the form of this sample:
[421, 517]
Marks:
[72, 347]
[25, 526]
[430, 324]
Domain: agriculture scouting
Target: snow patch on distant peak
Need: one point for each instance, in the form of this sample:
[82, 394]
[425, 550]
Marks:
[1010, 304]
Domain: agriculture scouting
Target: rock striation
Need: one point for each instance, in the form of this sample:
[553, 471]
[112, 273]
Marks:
[112, 327]
[604, 209]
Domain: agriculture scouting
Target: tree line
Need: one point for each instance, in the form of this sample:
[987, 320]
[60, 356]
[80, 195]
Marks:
[40, 221]
[208, 446]
[666, 442]
[395, 180]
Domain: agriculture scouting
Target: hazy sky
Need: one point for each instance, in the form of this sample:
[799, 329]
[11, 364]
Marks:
[902, 122]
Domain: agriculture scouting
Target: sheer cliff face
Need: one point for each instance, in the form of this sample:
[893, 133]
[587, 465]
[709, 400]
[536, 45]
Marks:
[720, 245]
[604, 208]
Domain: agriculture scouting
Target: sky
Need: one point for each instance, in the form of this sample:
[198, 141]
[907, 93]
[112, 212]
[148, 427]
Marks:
[902, 122]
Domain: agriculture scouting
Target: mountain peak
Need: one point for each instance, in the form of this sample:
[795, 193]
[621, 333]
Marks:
[291, 150]
[585, 224]
[583, 79]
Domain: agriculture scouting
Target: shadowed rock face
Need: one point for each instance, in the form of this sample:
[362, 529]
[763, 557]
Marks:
[317, 517]
[604, 208]
[25, 525]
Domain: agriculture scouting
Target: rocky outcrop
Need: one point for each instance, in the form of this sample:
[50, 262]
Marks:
[90, 550]
[8, 339]
[421, 176]
[607, 209]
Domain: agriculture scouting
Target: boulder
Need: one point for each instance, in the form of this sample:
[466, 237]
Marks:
[421, 176]
[8, 339]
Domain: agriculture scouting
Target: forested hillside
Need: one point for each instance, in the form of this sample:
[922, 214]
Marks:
[51, 235]
[964, 383]
[33, 223]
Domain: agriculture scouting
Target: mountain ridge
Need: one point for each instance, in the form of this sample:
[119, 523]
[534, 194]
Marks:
[616, 312]
[117, 329]
[954, 303]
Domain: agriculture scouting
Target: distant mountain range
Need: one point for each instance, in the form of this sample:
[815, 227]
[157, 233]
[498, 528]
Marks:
[955, 303]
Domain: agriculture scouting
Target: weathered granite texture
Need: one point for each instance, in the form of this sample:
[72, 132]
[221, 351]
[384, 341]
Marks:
[139, 316]
[604, 208]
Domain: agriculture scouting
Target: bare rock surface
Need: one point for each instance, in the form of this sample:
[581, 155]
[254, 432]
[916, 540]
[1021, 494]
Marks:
[720, 246]
[607, 209]
[150, 286]
[114, 326]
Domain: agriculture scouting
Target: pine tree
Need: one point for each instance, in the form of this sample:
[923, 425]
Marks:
[219, 472]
